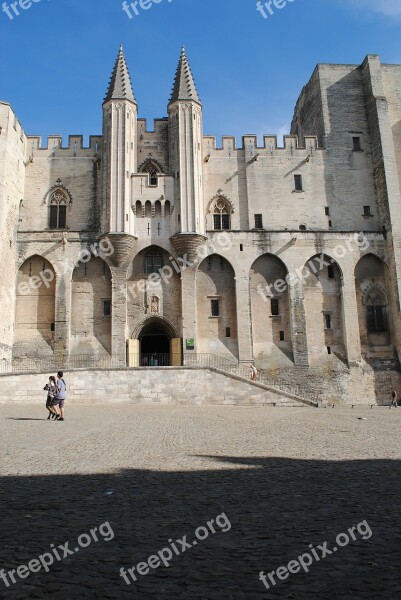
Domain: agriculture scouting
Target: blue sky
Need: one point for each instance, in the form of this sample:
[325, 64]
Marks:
[57, 56]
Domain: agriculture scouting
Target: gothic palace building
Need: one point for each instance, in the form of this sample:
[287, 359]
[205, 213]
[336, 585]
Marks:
[168, 242]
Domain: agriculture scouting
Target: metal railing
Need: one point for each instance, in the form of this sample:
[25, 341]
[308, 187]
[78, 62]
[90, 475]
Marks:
[52, 364]
[41, 364]
[242, 370]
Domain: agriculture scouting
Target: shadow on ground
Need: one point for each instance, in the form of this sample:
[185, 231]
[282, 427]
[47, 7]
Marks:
[277, 507]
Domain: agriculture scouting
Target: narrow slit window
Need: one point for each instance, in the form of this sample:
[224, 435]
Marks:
[298, 183]
[106, 308]
[258, 222]
[215, 308]
[327, 321]
[275, 307]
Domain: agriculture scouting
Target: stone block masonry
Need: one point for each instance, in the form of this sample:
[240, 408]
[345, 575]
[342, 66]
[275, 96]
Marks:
[144, 386]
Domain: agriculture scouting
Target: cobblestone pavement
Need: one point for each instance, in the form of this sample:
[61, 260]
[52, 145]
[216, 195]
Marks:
[285, 478]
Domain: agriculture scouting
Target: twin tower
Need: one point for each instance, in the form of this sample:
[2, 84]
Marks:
[121, 140]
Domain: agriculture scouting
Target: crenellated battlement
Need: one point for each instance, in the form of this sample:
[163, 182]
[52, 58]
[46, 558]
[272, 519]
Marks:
[159, 126]
[270, 144]
[9, 121]
[55, 146]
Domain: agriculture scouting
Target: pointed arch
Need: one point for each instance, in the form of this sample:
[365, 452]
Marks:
[58, 199]
[148, 209]
[91, 308]
[154, 169]
[138, 209]
[154, 291]
[323, 282]
[35, 307]
[219, 212]
[216, 300]
[270, 310]
[165, 324]
[374, 311]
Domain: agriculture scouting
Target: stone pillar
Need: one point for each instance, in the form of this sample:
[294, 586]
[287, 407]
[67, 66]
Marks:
[350, 320]
[298, 323]
[189, 316]
[62, 321]
[244, 324]
[119, 312]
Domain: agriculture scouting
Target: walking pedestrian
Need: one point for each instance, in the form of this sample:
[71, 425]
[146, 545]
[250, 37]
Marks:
[394, 398]
[253, 372]
[60, 397]
[51, 389]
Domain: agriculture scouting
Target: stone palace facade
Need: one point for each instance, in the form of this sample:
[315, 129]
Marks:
[167, 242]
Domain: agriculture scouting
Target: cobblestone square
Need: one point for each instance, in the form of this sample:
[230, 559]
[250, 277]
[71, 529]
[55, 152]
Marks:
[285, 478]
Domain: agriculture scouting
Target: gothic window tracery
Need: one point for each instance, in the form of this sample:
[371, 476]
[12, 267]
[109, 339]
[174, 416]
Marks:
[58, 209]
[153, 170]
[376, 316]
[221, 211]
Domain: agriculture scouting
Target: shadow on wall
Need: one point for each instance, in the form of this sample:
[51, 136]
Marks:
[276, 507]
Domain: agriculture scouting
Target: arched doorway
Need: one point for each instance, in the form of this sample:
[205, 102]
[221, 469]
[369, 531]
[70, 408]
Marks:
[154, 344]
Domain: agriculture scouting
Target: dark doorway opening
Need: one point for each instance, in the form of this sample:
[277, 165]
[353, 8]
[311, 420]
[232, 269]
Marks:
[155, 346]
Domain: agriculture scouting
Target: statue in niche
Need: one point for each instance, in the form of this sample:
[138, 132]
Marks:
[154, 305]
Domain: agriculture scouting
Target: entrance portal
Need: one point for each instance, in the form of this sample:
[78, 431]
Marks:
[155, 346]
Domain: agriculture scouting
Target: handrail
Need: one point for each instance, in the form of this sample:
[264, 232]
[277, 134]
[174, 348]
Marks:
[52, 364]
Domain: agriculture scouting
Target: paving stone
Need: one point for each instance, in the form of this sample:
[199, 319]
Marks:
[286, 478]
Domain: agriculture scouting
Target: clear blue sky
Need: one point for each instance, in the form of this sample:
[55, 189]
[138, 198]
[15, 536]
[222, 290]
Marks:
[57, 56]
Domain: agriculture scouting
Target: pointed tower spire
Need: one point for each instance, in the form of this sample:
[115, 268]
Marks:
[120, 87]
[184, 85]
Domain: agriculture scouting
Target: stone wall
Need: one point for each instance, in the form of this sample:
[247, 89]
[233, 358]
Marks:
[12, 199]
[164, 386]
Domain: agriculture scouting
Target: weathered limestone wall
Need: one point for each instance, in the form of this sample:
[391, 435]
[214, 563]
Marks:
[215, 281]
[79, 170]
[153, 142]
[35, 309]
[165, 293]
[90, 327]
[12, 177]
[392, 87]
[336, 97]
[167, 386]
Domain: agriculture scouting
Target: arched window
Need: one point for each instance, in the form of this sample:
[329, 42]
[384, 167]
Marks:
[221, 211]
[58, 209]
[158, 208]
[167, 208]
[138, 209]
[376, 312]
[153, 261]
[153, 171]
[148, 209]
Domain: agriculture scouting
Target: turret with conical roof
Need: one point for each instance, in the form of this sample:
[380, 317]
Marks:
[186, 148]
[120, 87]
[184, 85]
[120, 114]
